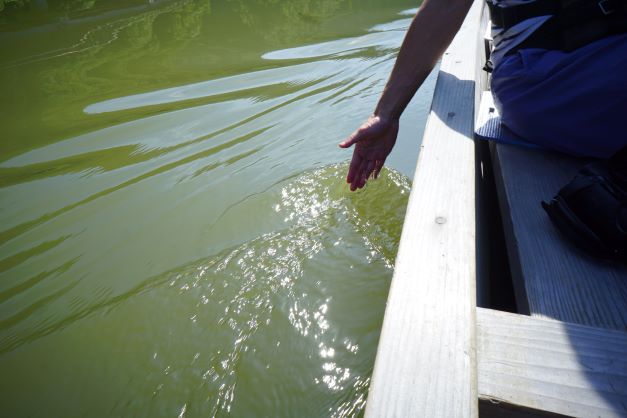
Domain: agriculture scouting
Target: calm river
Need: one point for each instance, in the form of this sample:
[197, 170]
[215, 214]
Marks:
[176, 237]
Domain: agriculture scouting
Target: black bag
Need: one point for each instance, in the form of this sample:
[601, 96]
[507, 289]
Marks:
[591, 210]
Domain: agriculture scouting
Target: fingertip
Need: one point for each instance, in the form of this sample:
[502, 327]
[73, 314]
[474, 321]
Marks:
[355, 185]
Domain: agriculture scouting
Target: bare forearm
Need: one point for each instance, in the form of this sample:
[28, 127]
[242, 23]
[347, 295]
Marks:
[429, 34]
[433, 28]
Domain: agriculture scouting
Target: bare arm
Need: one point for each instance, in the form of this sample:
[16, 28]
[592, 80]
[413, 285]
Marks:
[429, 34]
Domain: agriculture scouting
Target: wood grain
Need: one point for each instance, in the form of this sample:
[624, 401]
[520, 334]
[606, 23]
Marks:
[426, 363]
[554, 278]
[551, 366]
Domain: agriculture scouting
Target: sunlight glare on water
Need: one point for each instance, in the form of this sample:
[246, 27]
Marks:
[176, 236]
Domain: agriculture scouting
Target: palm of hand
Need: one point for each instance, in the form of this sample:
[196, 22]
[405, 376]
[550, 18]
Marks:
[374, 141]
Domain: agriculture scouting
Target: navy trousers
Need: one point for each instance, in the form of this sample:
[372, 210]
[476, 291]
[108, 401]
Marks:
[573, 102]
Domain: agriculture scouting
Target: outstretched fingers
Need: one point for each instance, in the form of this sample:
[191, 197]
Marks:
[354, 169]
[369, 168]
[360, 175]
[356, 182]
[361, 170]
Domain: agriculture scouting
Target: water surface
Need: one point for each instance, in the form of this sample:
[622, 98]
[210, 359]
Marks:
[176, 238]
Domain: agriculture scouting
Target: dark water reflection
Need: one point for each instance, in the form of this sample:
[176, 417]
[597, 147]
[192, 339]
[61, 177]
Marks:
[176, 238]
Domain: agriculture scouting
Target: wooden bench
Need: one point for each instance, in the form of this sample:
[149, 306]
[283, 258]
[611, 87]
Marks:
[552, 278]
[532, 365]
[576, 363]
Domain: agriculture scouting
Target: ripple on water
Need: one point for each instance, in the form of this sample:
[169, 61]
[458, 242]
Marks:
[276, 323]
[294, 313]
[109, 300]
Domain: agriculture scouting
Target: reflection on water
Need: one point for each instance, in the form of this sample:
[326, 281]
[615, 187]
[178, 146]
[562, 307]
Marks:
[176, 237]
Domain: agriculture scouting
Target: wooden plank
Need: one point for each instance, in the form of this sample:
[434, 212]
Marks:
[426, 363]
[552, 366]
[553, 279]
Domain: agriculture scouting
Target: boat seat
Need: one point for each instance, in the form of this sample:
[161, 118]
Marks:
[552, 278]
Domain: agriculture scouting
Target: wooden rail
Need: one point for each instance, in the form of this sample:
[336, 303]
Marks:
[426, 362]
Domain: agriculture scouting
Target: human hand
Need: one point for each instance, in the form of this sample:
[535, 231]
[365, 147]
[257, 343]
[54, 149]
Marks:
[374, 141]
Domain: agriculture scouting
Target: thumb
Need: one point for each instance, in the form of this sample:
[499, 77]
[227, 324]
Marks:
[351, 140]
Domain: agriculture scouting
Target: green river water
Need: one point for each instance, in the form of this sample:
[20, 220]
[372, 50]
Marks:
[176, 237]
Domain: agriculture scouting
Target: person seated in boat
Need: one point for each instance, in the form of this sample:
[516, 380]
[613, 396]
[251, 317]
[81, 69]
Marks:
[559, 76]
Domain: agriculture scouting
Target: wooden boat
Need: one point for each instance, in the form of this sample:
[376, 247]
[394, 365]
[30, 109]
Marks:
[443, 351]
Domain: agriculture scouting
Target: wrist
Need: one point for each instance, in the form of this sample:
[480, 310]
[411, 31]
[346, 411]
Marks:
[387, 111]
[387, 115]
